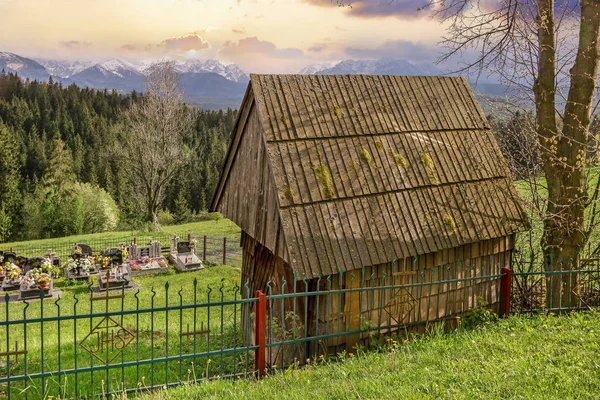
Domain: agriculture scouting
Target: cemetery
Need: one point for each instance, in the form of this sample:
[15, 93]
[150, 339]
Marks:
[31, 278]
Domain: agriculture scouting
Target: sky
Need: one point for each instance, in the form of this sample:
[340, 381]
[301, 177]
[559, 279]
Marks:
[259, 35]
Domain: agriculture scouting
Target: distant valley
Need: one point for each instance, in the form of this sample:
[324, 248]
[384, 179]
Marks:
[206, 83]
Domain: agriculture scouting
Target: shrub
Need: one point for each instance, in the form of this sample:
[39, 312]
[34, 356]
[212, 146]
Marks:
[100, 212]
[479, 316]
[206, 216]
[5, 225]
[165, 217]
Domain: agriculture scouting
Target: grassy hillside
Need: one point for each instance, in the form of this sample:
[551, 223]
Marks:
[540, 357]
[223, 227]
[220, 228]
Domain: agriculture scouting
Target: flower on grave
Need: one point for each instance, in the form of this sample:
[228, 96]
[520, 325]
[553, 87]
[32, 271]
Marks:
[83, 263]
[102, 262]
[134, 265]
[47, 267]
[43, 279]
[13, 271]
[28, 282]
[46, 264]
[99, 261]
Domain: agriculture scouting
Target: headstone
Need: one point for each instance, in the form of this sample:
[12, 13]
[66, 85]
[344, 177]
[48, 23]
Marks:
[81, 250]
[174, 240]
[115, 255]
[10, 257]
[144, 251]
[54, 257]
[184, 247]
[33, 293]
[33, 262]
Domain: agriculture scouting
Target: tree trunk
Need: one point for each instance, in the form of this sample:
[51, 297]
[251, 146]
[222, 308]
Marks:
[565, 157]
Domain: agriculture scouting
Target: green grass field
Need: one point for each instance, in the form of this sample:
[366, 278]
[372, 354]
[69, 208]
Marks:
[539, 357]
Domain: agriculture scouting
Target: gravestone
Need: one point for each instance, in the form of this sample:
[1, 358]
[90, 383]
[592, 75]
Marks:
[144, 251]
[33, 293]
[115, 255]
[81, 250]
[10, 257]
[184, 247]
[54, 257]
[33, 262]
[115, 278]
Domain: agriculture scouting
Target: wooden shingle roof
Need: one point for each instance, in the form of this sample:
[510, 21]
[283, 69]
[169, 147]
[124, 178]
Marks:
[372, 168]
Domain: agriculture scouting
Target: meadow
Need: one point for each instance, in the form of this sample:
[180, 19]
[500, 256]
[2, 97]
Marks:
[218, 228]
[521, 357]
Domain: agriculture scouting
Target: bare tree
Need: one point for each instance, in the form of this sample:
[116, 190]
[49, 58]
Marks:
[551, 50]
[153, 141]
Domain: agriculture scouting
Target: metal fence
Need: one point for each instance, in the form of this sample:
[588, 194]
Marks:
[86, 343]
[555, 287]
[96, 344]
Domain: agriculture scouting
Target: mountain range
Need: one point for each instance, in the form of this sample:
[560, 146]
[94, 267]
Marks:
[207, 83]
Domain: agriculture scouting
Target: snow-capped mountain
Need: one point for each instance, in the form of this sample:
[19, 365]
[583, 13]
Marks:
[390, 66]
[25, 67]
[64, 68]
[112, 74]
[314, 68]
[123, 68]
[384, 66]
[230, 71]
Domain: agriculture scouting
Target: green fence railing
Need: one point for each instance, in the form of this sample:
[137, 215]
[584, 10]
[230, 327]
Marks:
[102, 343]
[87, 343]
[556, 286]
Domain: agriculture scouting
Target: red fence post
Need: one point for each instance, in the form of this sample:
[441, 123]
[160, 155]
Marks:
[204, 250]
[261, 334]
[505, 291]
[224, 250]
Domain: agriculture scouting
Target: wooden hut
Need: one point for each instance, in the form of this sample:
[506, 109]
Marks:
[341, 173]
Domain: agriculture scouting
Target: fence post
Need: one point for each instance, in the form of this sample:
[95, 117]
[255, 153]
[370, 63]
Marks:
[204, 250]
[260, 338]
[224, 250]
[505, 291]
